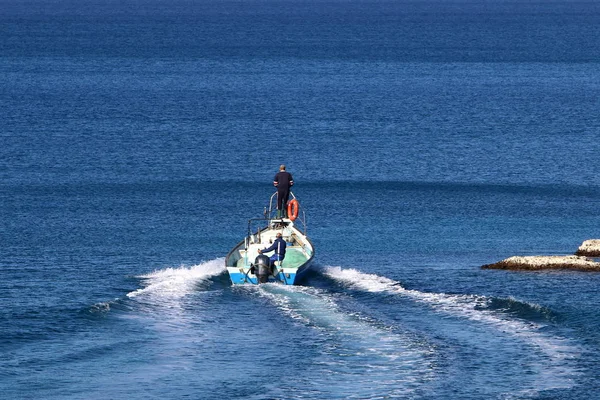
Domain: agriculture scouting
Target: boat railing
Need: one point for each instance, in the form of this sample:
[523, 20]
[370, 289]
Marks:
[271, 212]
[256, 225]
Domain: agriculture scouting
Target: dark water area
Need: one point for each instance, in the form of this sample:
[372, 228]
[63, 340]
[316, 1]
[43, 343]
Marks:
[426, 138]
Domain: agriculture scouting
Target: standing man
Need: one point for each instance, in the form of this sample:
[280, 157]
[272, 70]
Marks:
[283, 181]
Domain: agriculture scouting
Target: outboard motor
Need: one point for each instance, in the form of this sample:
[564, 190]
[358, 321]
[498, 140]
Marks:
[262, 268]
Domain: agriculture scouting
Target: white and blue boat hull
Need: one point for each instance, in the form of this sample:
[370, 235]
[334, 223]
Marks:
[241, 262]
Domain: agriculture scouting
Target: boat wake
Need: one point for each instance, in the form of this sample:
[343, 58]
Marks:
[176, 283]
[557, 354]
[398, 362]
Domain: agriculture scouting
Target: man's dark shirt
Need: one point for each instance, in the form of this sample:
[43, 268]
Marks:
[278, 245]
[284, 180]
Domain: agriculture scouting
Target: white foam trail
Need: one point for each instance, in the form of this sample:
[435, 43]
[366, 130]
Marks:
[101, 308]
[558, 350]
[397, 361]
[178, 282]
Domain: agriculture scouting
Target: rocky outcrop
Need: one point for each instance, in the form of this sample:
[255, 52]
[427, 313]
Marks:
[534, 263]
[590, 248]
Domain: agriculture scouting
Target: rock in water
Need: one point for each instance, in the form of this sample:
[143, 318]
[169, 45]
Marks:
[534, 263]
[590, 248]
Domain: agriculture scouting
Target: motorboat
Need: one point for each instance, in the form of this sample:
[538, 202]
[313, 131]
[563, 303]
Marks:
[246, 265]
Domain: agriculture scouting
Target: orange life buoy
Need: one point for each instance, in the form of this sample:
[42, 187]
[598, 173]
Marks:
[293, 208]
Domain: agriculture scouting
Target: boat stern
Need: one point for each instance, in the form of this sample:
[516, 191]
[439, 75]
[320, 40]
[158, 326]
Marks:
[244, 276]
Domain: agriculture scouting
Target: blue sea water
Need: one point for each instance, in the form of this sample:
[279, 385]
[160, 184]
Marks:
[426, 138]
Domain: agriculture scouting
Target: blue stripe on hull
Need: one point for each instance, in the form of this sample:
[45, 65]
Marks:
[238, 278]
[242, 279]
[303, 270]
